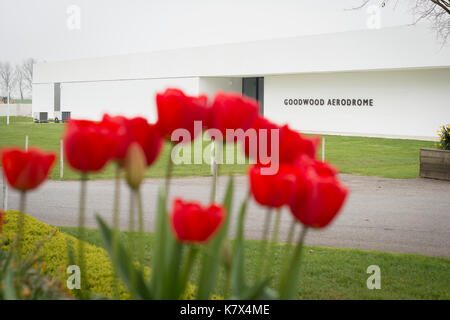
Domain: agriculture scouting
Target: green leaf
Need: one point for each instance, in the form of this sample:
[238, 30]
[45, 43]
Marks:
[72, 261]
[70, 252]
[124, 265]
[6, 262]
[259, 291]
[159, 257]
[184, 274]
[290, 278]
[167, 258]
[9, 291]
[211, 253]
[172, 270]
[237, 278]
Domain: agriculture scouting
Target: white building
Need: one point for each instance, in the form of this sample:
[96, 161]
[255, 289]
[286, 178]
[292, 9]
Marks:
[391, 82]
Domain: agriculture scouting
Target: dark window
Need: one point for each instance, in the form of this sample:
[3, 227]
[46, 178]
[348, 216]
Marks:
[254, 88]
[57, 92]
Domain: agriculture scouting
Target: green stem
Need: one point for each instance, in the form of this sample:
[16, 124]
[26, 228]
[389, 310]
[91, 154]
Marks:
[22, 201]
[290, 236]
[116, 198]
[169, 171]
[227, 269]
[263, 243]
[192, 253]
[212, 197]
[21, 223]
[131, 234]
[116, 228]
[287, 248]
[81, 227]
[291, 231]
[140, 227]
[237, 273]
[131, 223]
[289, 282]
[273, 244]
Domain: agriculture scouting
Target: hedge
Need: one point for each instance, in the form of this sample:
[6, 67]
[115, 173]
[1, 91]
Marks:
[54, 255]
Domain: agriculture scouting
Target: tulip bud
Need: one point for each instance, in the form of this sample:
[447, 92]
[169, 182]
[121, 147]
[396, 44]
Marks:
[135, 165]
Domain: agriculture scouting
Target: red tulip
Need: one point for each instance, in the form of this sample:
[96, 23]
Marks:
[292, 144]
[273, 190]
[26, 170]
[179, 111]
[318, 195]
[151, 142]
[89, 145]
[193, 222]
[232, 111]
[134, 130]
[261, 152]
[119, 125]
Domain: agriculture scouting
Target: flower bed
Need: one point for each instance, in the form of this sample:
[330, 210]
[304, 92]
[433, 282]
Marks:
[54, 255]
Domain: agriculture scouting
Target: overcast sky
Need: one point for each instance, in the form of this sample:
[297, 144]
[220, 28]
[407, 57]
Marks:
[48, 29]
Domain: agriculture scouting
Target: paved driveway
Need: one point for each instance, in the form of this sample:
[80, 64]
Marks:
[395, 215]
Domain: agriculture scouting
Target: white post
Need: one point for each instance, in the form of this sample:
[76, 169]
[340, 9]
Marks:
[7, 115]
[5, 193]
[26, 143]
[323, 149]
[61, 159]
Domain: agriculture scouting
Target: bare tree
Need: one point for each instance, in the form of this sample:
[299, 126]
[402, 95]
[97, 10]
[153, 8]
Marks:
[19, 80]
[437, 12]
[7, 80]
[27, 71]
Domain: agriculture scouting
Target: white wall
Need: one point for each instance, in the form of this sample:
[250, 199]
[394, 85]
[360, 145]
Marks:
[369, 49]
[410, 103]
[43, 98]
[90, 100]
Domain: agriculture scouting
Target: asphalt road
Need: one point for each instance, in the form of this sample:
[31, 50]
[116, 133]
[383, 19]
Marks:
[411, 216]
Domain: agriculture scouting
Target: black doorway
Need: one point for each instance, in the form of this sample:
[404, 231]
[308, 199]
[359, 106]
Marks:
[254, 88]
[57, 96]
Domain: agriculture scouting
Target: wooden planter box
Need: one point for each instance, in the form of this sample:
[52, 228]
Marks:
[435, 164]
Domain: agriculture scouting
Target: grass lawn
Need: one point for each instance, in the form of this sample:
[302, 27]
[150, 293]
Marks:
[15, 120]
[24, 101]
[392, 158]
[333, 273]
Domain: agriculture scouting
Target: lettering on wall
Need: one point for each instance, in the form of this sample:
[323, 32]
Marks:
[357, 102]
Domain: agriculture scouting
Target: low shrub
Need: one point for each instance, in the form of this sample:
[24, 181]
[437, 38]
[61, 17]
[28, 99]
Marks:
[444, 138]
[22, 279]
[54, 256]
